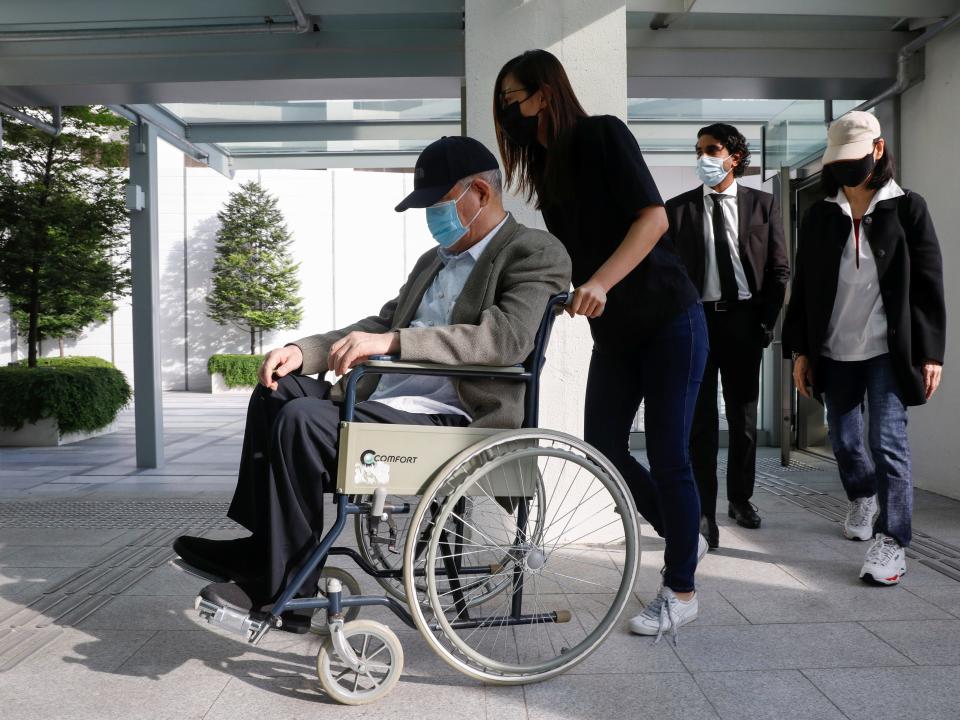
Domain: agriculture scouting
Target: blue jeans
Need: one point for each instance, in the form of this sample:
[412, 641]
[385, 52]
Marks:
[665, 371]
[887, 472]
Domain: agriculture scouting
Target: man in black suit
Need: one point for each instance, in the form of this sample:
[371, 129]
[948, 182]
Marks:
[730, 238]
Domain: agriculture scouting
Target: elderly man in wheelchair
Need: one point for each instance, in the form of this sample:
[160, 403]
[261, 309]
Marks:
[512, 549]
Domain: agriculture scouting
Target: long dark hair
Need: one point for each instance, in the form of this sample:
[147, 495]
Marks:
[531, 169]
[882, 173]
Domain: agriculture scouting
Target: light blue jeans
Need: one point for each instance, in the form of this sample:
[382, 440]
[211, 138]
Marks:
[885, 471]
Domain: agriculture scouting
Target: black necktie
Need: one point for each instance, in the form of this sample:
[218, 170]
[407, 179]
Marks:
[728, 281]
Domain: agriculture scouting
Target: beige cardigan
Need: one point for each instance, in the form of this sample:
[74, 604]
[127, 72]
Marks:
[495, 321]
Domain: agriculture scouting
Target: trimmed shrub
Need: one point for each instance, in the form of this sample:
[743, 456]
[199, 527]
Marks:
[237, 370]
[83, 394]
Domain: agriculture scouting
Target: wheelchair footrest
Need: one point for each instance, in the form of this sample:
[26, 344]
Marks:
[230, 618]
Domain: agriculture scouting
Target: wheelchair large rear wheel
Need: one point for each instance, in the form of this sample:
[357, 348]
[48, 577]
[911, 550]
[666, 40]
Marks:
[554, 520]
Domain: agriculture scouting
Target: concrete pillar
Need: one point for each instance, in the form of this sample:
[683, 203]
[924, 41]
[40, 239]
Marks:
[145, 269]
[590, 39]
[928, 162]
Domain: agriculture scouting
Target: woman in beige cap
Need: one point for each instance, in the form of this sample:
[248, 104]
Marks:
[867, 320]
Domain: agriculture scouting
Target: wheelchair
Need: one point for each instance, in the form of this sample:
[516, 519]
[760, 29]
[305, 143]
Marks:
[513, 552]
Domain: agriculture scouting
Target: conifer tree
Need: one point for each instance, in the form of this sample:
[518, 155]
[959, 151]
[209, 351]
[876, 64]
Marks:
[63, 223]
[255, 285]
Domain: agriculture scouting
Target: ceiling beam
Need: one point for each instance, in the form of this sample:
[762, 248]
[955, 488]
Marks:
[319, 131]
[852, 8]
[323, 161]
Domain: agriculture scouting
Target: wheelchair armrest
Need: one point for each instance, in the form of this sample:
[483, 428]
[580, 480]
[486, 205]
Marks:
[388, 364]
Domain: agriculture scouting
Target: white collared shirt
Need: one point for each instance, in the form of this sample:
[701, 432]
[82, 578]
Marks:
[731, 221]
[432, 394]
[858, 323]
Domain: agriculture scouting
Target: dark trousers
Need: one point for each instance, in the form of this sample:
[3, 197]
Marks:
[664, 371]
[289, 460]
[736, 349]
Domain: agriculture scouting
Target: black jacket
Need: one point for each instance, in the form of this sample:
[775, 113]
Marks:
[910, 270]
[763, 252]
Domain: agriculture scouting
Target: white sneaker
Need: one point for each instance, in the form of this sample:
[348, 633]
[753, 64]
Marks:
[886, 561]
[702, 547]
[861, 515]
[666, 613]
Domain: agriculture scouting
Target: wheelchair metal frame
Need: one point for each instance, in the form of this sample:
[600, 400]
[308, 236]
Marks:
[333, 602]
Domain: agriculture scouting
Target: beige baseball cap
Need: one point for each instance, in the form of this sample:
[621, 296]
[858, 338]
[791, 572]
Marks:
[851, 136]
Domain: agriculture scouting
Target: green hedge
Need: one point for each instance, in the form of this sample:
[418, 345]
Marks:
[237, 370]
[83, 393]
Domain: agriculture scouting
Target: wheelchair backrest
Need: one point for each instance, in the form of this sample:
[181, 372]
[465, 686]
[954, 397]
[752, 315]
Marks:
[536, 360]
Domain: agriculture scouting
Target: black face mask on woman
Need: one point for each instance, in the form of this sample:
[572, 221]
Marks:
[851, 173]
[519, 128]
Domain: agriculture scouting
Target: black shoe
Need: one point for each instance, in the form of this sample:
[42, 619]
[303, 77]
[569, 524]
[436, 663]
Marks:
[709, 529]
[229, 595]
[745, 513]
[238, 559]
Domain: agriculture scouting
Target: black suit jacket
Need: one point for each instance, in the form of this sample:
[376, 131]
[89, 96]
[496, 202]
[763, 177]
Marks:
[763, 252]
[910, 270]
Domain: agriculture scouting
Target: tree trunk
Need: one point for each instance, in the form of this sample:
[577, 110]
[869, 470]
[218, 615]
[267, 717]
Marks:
[33, 329]
[253, 341]
[60, 343]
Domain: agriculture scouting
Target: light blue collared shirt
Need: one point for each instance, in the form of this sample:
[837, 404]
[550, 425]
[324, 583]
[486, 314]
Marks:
[432, 394]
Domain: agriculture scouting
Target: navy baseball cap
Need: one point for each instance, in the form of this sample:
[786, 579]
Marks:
[441, 165]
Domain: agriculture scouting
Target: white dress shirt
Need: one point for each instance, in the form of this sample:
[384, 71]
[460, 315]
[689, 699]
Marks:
[858, 323]
[432, 394]
[731, 221]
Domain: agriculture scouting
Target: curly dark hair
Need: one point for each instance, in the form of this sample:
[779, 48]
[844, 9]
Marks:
[733, 140]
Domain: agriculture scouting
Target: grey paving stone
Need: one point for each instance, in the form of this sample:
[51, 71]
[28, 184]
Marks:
[854, 604]
[766, 695]
[783, 647]
[945, 596]
[302, 699]
[37, 556]
[187, 692]
[655, 695]
[21, 585]
[917, 693]
[926, 642]
[57, 536]
[133, 612]
[75, 651]
[622, 653]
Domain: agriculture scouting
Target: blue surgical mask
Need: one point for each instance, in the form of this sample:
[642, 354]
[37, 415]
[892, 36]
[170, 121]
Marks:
[710, 170]
[444, 221]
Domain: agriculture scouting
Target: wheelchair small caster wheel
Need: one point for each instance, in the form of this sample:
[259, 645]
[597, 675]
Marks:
[379, 659]
[318, 623]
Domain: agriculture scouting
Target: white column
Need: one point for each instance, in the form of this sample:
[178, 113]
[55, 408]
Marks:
[590, 39]
[928, 162]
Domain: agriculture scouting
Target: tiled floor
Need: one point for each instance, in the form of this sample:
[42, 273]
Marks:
[94, 622]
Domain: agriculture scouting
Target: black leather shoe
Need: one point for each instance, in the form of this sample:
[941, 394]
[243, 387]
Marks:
[709, 529]
[745, 513]
[228, 559]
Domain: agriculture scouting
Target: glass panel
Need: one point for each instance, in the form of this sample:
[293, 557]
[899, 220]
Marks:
[325, 146]
[799, 132]
[318, 110]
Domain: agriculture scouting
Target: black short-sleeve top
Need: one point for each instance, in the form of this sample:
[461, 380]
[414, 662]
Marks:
[611, 183]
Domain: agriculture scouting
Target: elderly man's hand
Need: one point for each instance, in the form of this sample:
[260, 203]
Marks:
[358, 346]
[279, 362]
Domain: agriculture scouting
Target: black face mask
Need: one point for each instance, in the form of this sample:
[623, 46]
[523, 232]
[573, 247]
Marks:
[851, 173]
[520, 129]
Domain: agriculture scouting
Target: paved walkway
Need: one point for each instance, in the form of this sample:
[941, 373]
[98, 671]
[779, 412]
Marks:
[94, 623]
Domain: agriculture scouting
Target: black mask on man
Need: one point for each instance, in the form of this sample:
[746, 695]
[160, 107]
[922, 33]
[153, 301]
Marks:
[519, 128]
[851, 173]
